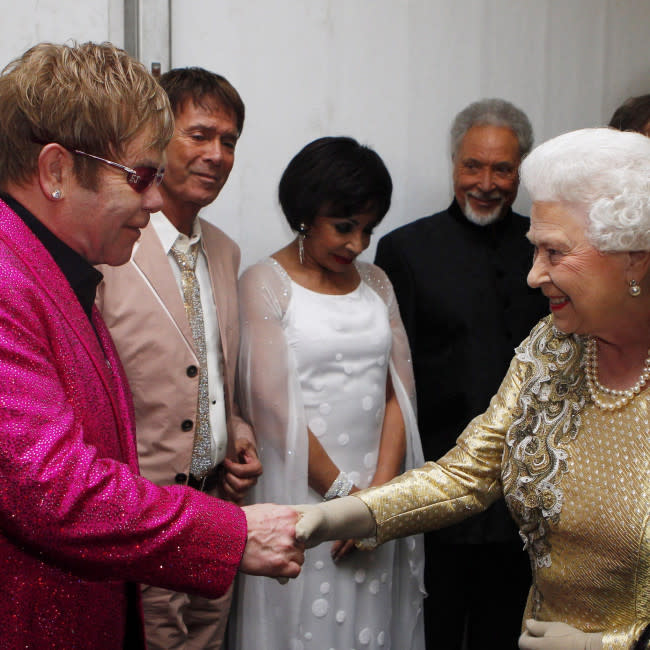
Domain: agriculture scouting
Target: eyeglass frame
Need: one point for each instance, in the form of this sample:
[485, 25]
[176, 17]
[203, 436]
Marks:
[132, 176]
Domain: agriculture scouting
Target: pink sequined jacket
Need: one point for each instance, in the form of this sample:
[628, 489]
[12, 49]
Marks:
[76, 520]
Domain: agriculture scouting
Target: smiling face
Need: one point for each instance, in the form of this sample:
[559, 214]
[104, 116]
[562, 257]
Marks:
[333, 243]
[486, 172]
[199, 159]
[103, 224]
[587, 289]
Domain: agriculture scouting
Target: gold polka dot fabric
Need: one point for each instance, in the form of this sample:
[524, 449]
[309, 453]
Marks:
[576, 478]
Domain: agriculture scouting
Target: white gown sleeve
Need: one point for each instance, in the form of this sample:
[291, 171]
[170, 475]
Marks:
[270, 400]
[401, 364]
[269, 389]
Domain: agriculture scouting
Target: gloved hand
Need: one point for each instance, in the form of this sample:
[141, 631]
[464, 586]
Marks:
[546, 635]
[342, 518]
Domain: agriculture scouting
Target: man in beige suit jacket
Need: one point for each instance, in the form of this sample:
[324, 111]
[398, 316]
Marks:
[143, 305]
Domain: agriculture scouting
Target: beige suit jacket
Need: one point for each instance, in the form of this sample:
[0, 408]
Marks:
[144, 311]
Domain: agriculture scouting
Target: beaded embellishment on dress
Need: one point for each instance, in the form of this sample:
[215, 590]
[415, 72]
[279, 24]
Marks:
[536, 454]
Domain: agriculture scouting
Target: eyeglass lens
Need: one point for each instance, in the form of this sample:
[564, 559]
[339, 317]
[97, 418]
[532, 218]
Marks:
[144, 177]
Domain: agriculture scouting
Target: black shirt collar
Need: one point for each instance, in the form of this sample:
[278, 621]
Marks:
[82, 276]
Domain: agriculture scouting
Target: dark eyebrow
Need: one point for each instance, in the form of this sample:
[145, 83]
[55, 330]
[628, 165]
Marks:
[200, 126]
[205, 128]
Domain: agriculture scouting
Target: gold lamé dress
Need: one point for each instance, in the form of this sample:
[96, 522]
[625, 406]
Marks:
[576, 479]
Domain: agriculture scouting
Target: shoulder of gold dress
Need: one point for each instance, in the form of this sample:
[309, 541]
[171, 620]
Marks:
[546, 420]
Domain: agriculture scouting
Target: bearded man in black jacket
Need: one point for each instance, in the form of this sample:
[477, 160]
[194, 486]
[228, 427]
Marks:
[460, 280]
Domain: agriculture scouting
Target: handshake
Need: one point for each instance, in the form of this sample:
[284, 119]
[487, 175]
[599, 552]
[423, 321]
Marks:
[278, 535]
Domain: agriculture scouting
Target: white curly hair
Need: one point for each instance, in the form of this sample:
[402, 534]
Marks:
[606, 172]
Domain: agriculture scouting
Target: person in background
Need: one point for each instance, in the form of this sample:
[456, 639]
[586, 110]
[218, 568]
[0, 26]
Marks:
[633, 115]
[460, 281]
[189, 431]
[83, 129]
[565, 439]
[326, 381]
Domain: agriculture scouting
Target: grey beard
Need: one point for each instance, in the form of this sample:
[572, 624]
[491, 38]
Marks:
[482, 219]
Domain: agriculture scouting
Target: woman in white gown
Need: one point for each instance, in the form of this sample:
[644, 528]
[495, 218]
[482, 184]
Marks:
[326, 381]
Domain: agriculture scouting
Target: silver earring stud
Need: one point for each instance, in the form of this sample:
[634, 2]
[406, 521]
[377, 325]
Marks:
[57, 194]
[634, 288]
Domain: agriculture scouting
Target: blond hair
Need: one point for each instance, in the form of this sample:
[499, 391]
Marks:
[92, 97]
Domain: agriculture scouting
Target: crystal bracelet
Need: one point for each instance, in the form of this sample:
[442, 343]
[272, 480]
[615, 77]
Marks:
[340, 487]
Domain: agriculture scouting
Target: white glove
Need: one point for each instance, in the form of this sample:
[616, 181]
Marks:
[546, 635]
[342, 518]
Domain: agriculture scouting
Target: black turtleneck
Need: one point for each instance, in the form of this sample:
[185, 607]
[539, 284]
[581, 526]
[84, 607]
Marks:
[82, 276]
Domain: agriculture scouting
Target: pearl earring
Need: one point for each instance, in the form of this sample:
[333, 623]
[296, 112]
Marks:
[57, 194]
[634, 288]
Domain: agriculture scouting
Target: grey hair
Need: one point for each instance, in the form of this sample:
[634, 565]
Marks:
[607, 174]
[492, 112]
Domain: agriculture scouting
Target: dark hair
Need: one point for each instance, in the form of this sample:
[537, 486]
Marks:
[632, 115]
[202, 87]
[334, 177]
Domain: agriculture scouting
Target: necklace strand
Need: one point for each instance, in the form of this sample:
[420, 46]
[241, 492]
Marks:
[617, 398]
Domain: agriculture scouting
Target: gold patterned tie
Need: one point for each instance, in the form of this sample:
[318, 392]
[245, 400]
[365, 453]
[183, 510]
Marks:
[201, 460]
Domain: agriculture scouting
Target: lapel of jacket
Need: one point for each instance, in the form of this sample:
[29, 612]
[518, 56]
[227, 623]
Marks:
[26, 246]
[120, 390]
[220, 292]
[151, 260]
[223, 301]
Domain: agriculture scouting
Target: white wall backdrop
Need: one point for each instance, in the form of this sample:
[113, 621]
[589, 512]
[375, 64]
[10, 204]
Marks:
[27, 22]
[391, 73]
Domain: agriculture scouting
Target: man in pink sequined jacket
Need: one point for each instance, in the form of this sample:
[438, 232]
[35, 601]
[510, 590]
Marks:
[82, 137]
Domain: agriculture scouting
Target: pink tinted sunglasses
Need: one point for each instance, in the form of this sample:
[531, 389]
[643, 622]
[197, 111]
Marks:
[139, 178]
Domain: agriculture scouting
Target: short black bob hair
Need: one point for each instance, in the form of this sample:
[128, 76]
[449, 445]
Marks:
[334, 177]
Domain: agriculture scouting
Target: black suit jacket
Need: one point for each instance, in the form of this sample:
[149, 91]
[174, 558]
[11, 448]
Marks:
[465, 303]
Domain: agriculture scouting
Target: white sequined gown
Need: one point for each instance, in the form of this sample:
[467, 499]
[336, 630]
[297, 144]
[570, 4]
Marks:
[337, 352]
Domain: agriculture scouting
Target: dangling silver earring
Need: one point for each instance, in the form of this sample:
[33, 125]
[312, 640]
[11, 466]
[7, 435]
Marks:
[302, 233]
[634, 288]
[57, 194]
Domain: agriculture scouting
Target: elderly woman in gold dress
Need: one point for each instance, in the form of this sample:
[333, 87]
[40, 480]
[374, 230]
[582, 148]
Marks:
[566, 440]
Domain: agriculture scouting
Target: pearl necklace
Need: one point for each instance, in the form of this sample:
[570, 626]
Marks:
[618, 398]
